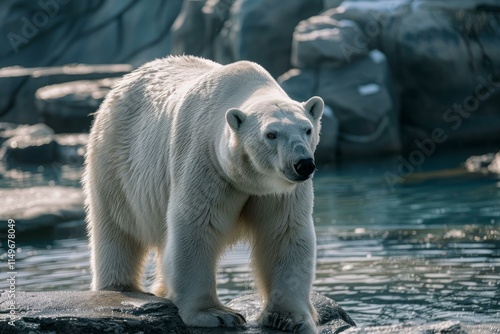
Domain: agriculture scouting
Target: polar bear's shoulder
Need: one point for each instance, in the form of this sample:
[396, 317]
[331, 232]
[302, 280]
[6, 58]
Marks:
[245, 67]
[178, 64]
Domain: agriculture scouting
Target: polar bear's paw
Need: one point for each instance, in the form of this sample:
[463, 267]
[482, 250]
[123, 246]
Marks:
[214, 317]
[288, 322]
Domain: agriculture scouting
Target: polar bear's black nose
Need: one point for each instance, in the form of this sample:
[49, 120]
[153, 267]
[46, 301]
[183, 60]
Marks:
[305, 167]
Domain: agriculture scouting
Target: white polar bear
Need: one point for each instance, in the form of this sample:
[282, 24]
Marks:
[185, 157]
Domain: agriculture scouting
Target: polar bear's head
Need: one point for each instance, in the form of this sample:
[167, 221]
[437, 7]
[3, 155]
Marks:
[271, 144]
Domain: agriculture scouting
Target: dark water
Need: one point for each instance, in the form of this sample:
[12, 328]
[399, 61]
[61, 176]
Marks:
[424, 250]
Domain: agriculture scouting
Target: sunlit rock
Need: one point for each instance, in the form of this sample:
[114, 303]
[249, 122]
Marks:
[126, 312]
[19, 84]
[89, 312]
[486, 163]
[67, 107]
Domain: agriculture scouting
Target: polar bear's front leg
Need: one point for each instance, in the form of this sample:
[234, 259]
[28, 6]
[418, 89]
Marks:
[284, 260]
[195, 239]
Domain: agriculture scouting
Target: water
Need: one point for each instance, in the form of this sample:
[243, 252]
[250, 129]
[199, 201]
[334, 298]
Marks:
[425, 250]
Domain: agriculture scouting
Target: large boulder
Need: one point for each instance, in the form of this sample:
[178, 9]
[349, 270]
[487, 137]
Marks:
[322, 38]
[262, 30]
[449, 61]
[216, 13]
[83, 32]
[445, 56]
[196, 31]
[189, 34]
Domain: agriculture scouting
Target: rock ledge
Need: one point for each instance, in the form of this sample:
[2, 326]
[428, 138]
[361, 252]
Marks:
[116, 312]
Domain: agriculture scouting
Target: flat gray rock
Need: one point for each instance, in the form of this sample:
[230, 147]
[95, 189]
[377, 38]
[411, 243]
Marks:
[90, 312]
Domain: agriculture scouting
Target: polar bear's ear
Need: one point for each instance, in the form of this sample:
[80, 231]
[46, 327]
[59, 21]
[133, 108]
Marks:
[314, 106]
[234, 117]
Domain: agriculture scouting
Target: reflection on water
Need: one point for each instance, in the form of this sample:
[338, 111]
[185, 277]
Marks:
[427, 250]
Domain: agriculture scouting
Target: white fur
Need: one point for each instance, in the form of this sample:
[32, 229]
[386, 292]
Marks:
[180, 145]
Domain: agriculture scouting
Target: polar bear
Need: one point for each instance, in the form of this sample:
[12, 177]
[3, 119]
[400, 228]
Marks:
[185, 157]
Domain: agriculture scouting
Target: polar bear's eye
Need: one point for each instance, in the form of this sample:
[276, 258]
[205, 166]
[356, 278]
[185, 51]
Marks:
[308, 132]
[271, 135]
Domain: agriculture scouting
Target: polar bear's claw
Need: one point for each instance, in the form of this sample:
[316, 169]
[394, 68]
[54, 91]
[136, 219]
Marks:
[236, 319]
[215, 317]
[287, 323]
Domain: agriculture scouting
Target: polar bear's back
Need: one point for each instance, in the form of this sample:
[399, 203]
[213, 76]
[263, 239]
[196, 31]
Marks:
[151, 122]
[129, 143]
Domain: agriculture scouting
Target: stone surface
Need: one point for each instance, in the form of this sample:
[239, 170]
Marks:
[115, 312]
[362, 96]
[91, 32]
[66, 107]
[197, 29]
[18, 86]
[261, 31]
[105, 311]
[189, 34]
[90, 312]
[216, 13]
[331, 3]
[321, 38]
[41, 208]
[465, 43]
[424, 42]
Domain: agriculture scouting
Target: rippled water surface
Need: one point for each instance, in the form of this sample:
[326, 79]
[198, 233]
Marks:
[424, 250]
